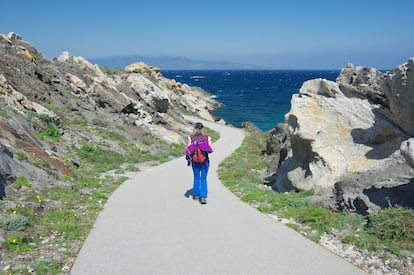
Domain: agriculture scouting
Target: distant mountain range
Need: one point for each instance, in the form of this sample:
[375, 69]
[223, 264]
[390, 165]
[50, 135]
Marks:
[171, 63]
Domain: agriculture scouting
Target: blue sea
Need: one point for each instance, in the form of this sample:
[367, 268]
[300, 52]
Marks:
[262, 97]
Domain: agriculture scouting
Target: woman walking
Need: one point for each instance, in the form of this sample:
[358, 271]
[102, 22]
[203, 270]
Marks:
[199, 146]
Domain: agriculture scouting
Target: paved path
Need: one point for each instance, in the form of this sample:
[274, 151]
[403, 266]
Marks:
[149, 226]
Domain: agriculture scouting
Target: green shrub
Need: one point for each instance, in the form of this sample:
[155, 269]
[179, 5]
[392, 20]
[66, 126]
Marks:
[51, 132]
[137, 71]
[22, 181]
[13, 222]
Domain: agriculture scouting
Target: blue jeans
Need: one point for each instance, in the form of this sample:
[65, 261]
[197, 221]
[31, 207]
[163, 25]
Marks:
[200, 171]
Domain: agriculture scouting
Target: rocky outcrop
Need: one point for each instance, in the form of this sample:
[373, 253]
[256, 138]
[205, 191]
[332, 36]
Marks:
[142, 68]
[351, 137]
[76, 101]
[54, 116]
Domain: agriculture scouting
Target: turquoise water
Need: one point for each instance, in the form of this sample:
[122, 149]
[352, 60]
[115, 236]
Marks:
[262, 97]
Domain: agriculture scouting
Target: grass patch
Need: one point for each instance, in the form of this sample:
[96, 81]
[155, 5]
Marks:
[44, 267]
[392, 228]
[114, 136]
[17, 243]
[22, 181]
[99, 160]
[22, 156]
[65, 223]
[96, 160]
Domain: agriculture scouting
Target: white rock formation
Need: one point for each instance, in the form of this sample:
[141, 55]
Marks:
[137, 92]
[351, 130]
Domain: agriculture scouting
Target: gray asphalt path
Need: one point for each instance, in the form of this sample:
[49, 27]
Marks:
[149, 226]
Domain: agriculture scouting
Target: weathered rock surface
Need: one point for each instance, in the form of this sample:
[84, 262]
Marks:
[350, 140]
[81, 100]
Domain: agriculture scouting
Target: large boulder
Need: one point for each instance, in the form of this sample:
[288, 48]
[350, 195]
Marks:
[349, 136]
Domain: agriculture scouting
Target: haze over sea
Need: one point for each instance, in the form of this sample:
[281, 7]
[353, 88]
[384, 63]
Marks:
[262, 97]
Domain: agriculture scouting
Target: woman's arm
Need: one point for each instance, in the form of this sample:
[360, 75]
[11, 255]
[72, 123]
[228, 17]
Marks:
[210, 144]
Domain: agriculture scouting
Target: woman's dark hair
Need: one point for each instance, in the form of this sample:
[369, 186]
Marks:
[198, 129]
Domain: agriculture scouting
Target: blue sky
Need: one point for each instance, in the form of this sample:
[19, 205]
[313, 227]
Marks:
[294, 34]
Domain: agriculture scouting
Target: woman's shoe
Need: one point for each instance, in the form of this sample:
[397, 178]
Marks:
[203, 200]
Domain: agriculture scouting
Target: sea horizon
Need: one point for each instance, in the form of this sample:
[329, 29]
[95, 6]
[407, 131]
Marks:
[258, 96]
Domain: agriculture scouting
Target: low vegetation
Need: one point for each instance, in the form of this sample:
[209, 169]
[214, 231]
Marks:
[390, 232]
[43, 223]
[59, 219]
